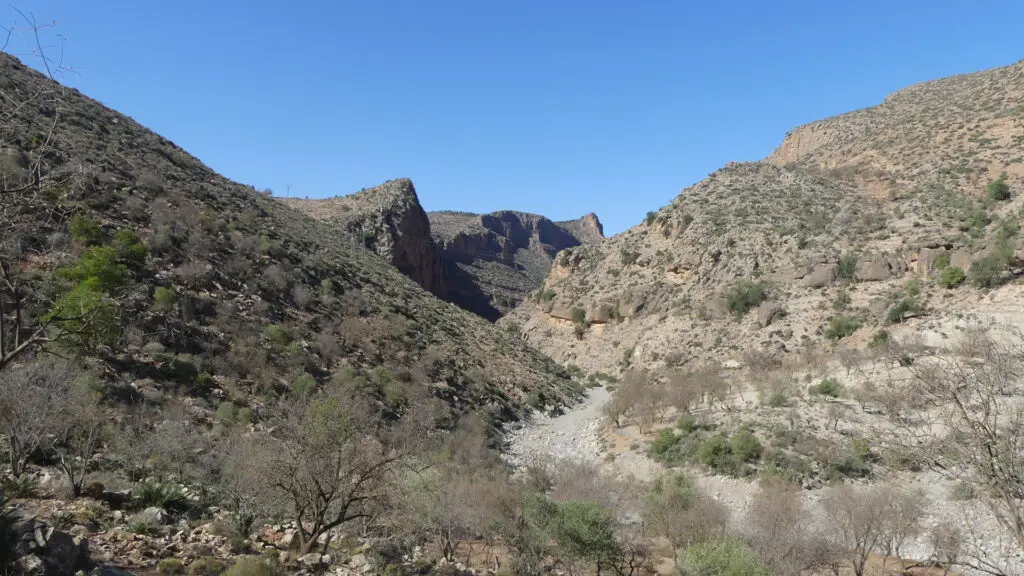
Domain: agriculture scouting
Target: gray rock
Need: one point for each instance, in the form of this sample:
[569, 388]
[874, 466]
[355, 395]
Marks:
[310, 560]
[110, 571]
[62, 553]
[767, 312]
[30, 565]
[820, 277]
[153, 516]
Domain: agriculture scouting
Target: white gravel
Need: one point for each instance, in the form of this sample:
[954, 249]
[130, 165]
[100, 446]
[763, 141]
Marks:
[576, 435]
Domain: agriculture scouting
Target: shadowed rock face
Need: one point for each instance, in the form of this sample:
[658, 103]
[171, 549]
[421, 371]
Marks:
[389, 220]
[492, 261]
[484, 263]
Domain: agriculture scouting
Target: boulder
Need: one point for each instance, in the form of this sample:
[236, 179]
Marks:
[153, 516]
[960, 258]
[820, 277]
[63, 553]
[926, 260]
[767, 312]
[873, 270]
[310, 560]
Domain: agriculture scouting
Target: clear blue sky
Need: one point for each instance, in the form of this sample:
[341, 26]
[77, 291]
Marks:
[560, 107]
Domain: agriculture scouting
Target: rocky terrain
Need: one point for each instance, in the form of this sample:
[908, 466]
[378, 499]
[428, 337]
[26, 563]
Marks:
[484, 263]
[197, 378]
[810, 229]
[388, 220]
[492, 261]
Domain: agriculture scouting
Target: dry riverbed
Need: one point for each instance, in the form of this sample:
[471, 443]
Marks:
[580, 434]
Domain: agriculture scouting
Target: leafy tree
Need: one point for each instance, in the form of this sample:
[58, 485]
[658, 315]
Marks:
[584, 533]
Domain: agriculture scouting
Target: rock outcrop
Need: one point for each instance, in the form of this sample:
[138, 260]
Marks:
[389, 220]
[492, 261]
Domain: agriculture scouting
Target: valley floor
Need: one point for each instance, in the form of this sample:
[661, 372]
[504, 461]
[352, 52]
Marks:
[581, 434]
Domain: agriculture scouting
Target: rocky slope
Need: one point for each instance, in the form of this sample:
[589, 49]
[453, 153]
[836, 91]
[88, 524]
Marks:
[828, 231]
[493, 260]
[389, 220]
[234, 262]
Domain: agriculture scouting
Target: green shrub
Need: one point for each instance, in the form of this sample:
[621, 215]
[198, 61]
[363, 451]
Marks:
[686, 423]
[745, 446]
[942, 260]
[303, 385]
[855, 462]
[243, 416]
[204, 380]
[661, 445]
[628, 257]
[846, 269]
[745, 296]
[990, 270]
[206, 566]
[952, 276]
[722, 557]
[546, 295]
[278, 334]
[826, 387]
[254, 566]
[583, 531]
[649, 219]
[21, 487]
[579, 316]
[164, 299]
[130, 249]
[170, 567]
[159, 494]
[226, 413]
[880, 338]
[903, 309]
[998, 189]
[840, 327]
[716, 453]
[84, 231]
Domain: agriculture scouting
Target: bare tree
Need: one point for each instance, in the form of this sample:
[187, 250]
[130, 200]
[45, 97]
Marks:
[34, 403]
[777, 529]
[962, 415]
[906, 509]
[859, 517]
[81, 433]
[333, 460]
[679, 512]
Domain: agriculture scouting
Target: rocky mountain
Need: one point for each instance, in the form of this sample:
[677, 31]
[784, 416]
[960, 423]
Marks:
[253, 295]
[389, 220]
[899, 217]
[493, 260]
[482, 263]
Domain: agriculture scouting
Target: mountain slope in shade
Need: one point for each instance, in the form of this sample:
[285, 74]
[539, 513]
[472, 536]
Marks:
[492, 261]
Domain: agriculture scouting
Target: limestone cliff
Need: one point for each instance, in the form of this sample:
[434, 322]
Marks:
[389, 220]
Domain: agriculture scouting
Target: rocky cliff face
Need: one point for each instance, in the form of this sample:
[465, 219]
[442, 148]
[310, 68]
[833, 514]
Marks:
[492, 261]
[389, 220]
